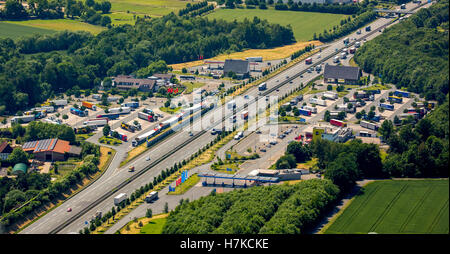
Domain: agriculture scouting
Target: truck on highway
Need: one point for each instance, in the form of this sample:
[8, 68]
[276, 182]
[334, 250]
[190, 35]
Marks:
[89, 105]
[120, 198]
[352, 50]
[368, 125]
[357, 44]
[338, 123]
[368, 28]
[403, 6]
[131, 169]
[262, 86]
[244, 115]
[231, 104]
[336, 59]
[151, 196]
[308, 60]
[346, 40]
[343, 55]
[23, 119]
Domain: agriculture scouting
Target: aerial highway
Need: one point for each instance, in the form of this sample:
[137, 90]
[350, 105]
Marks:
[180, 145]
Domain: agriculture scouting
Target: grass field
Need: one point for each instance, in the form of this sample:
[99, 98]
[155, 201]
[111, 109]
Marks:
[52, 25]
[190, 86]
[14, 31]
[397, 207]
[154, 8]
[304, 24]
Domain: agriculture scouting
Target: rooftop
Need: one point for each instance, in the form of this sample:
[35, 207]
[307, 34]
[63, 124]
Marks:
[44, 145]
[236, 66]
[341, 72]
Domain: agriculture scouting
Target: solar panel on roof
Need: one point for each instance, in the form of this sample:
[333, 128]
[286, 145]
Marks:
[54, 143]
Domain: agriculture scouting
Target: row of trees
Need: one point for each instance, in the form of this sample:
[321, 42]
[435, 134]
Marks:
[25, 81]
[56, 9]
[256, 210]
[422, 38]
[192, 7]
[349, 9]
[347, 27]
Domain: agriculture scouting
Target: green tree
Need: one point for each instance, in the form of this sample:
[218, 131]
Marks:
[149, 213]
[343, 171]
[106, 130]
[18, 156]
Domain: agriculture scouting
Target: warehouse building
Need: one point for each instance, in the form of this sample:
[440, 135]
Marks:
[51, 149]
[240, 67]
[347, 75]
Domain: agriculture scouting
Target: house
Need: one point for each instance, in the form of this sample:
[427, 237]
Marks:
[5, 150]
[126, 82]
[240, 67]
[51, 149]
[341, 74]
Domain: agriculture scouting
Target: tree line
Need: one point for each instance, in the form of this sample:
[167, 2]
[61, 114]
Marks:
[192, 7]
[336, 8]
[421, 47]
[56, 9]
[258, 210]
[63, 60]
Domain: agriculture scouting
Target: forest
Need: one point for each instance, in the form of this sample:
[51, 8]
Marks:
[35, 68]
[276, 209]
[412, 54]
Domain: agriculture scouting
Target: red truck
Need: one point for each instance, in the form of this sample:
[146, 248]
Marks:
[338, 123]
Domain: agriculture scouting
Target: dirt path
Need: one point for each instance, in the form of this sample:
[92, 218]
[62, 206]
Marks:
[343, 203]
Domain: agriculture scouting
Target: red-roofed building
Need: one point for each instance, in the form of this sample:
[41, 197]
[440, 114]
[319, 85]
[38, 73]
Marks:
[51, 149]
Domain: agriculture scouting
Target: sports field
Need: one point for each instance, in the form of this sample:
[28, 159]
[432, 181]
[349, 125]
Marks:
[304, 24]
[60, 25]
[14, 31]
[397, 207]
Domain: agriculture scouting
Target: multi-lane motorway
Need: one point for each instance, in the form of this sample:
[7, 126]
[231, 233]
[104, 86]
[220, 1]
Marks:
[99, 197]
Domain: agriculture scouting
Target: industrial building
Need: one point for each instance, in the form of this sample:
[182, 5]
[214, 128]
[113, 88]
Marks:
[339, 135]
[240, 67]
[153, 83]
[51, 149]
[341, 74]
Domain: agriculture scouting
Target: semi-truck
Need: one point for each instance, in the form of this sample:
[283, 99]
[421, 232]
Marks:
[312, 109]
[96, 122]
[127, 127]
[304, 112]
[122, 137]
[368, 125]
[387, 106]
[330, 95]
[343, 55]
[110, 116]
[59, 103]
[368, 28]
[346, 40]
[152, 196]
[352, 50]
[262, 86]
[120, 110]
[120, 198]
[89, 105]
[319, 102]
[78, 112]
[23, 119]
[399, 93]
[231, 104]
[357, 44]
[308, 60]
[338, 123]
[375, 118]
[46, 109]
[133, 104]
[336, 59]
[395, 99]
[147, 117]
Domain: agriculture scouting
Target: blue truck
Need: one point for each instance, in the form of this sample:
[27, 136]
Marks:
[387, 106]
[78, 112]
[133, 104]
[376, 118]
[401, 94]
[304, 112]
[110, 116]
[395, 99]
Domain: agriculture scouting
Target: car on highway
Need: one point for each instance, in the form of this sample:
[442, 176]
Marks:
[301, 76]
[262, 150]
[191, 134]
[290, 82]
[278, 90]
[148, 158]
[131, 169]
[246, 97]
[69, 209]
[258, 132]
[287, 77]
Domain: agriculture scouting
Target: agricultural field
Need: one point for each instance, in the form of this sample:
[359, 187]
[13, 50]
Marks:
[155, 8]
[304, 24]
[52, 25]
[14, 31]
[397, 207]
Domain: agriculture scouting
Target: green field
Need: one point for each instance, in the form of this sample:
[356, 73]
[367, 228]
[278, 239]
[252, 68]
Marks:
[397, 207]
[154, 226]
[13, 31]
[59, 25]
[304, 24]
[149, 7]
